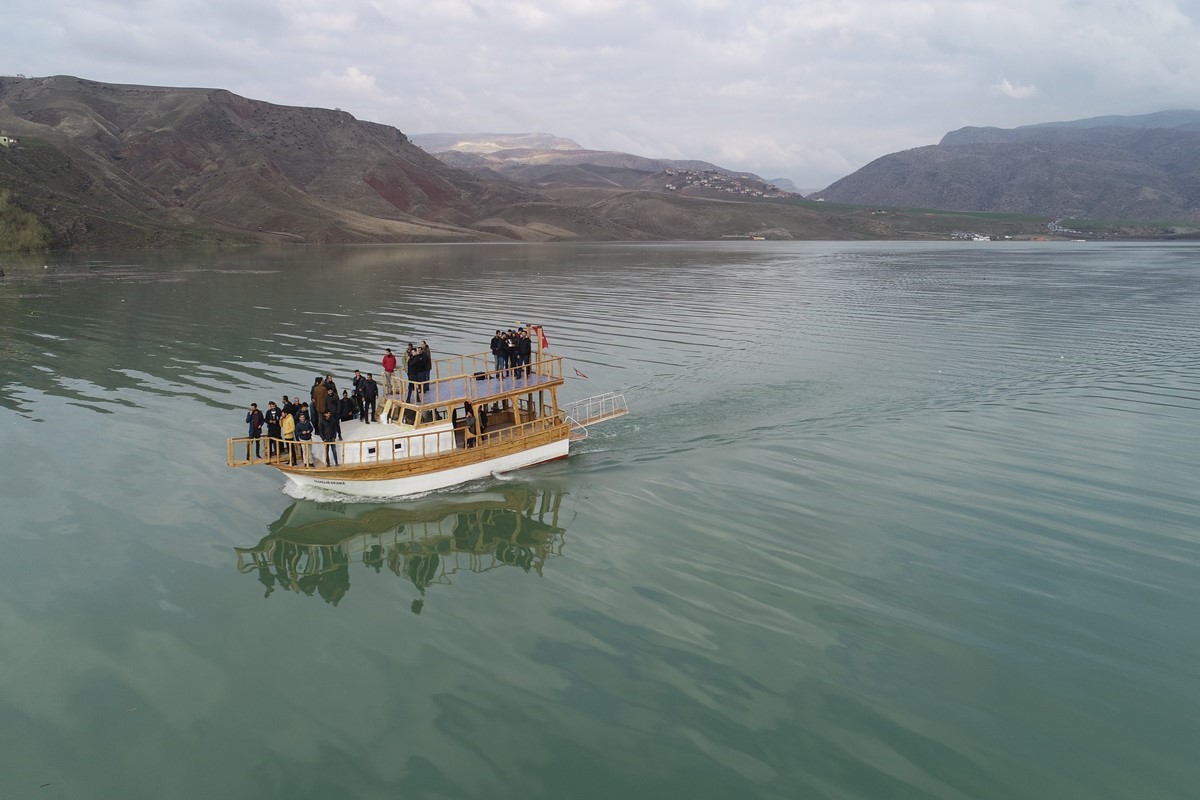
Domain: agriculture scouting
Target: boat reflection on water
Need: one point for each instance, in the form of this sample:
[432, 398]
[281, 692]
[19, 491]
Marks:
[311, 547]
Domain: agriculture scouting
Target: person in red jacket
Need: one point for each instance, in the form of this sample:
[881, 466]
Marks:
[389, 367]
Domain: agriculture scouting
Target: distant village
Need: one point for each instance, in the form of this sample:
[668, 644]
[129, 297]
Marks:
[8, 141]
[720, 182]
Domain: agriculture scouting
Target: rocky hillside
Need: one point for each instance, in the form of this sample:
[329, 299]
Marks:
[1109, 168]
[491, 142]
[103, 164]
[543, 160]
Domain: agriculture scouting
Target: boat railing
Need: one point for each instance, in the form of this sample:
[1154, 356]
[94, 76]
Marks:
[245, 450]
[476, 371]
[472, 363]
[548, 420]
[602, 407]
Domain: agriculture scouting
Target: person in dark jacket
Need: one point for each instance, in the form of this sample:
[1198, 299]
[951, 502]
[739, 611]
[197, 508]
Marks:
[304, 434]
[333, 405]
[414, 374]
[499, 351]
[426, 367]
[254, 418]
[346, 407]
[471, 428]
[510, 347]
[525, 345]
[370, 393]
[330, 430]
[357, 392]
[272, 418]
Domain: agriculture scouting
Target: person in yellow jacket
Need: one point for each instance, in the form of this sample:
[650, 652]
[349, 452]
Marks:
[287, 428]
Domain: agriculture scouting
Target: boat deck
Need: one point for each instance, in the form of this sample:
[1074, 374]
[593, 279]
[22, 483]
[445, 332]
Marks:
[458, 388]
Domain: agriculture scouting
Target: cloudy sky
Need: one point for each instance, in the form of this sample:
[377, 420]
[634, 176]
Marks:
[809, 90]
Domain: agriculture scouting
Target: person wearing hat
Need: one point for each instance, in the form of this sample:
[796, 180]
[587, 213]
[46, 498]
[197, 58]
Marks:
[347, 406]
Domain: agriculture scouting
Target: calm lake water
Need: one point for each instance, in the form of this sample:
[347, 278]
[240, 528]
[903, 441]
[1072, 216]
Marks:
[886, 521]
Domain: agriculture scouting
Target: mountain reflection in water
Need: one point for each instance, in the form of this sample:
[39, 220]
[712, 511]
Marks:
[311, 546]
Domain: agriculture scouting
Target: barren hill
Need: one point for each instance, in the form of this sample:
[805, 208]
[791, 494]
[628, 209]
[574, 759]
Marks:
[529, 158]
[491, 142]
[99, 164]
[103, 163]
[1114, 168]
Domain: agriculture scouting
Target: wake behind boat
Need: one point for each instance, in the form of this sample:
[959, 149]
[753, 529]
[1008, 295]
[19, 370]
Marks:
[468, 422]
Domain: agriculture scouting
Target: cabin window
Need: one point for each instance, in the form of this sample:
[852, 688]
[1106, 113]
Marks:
[399, 445]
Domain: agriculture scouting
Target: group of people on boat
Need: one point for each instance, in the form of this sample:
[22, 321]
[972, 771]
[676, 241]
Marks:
[294, 423]
[418, 362]
[416, 365]
[360, 402]
[512, 349]
[297, 422]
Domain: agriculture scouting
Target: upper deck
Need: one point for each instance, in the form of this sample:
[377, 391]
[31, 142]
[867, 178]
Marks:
[471, 377]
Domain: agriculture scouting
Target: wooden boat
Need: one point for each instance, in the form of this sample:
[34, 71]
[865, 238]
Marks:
[311, 547]
[422, 443]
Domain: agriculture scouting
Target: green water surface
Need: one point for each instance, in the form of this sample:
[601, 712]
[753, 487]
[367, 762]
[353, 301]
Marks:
[886, 521]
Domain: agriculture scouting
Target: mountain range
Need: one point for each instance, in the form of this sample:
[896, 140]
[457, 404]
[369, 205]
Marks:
[106, 164]
[90, 164]
[97, 165]
[1143, 167]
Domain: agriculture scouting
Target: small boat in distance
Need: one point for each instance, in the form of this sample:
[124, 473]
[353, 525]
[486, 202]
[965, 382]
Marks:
[422, 446]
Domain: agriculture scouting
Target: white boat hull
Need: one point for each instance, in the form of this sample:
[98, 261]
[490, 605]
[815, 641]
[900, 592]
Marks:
[431, 481]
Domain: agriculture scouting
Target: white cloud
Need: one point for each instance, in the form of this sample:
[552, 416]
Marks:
[352, 82]
[809, 91]
[1016, 91]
